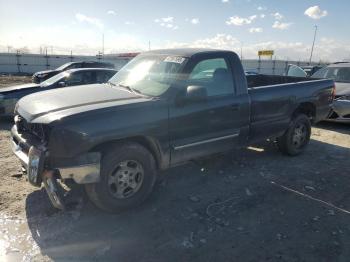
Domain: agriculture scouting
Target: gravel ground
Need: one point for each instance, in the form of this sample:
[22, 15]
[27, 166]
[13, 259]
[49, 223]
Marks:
[7, 80]
[252, 204]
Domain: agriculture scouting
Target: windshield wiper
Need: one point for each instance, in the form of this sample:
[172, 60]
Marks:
[130, 89]
[112, 84]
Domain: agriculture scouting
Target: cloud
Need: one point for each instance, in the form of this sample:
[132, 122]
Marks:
[277, 16]
[225, 1]
[89, 20]
[262, 8]
[325, 49]
[111, 12]
[262, 16]
[315, 12]
[129, 23]
[256, 30]
[281, 26]
[168, 19]
[195, 21]
[167, 22]
[87, 42]
[219, 41]
[239, 21]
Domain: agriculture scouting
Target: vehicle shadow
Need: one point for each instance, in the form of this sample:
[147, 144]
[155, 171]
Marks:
[235, 206]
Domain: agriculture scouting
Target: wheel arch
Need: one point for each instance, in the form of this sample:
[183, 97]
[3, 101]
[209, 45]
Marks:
[149, 143]
[307, 108]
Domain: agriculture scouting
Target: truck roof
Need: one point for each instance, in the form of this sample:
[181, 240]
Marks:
[340, 64]
[185, 52]
[90, 69]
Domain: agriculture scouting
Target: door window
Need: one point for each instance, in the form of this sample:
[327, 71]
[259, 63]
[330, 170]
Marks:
[80, 78]
[103, 77]
[215, 75]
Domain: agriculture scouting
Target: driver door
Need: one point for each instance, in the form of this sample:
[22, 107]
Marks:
[203, 127]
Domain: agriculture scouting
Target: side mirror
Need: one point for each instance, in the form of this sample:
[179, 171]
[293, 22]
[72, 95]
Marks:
[196, 93]
[62, 84]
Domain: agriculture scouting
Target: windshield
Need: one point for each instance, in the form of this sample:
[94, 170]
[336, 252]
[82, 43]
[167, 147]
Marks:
[149, 75]
[54, 79]
[338, 74]
[62, 67]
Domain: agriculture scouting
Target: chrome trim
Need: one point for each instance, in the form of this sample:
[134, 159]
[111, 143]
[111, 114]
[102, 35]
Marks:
[83, 174]
[23, 157]
[206, 141]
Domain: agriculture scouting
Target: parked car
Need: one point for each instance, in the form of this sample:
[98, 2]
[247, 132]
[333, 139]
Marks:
[340, 73]
[302, 71]
[41, 76]
[10, 95]
[159, 111]
[308, 70]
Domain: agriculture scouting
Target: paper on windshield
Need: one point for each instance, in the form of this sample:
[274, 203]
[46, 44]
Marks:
[174, 59]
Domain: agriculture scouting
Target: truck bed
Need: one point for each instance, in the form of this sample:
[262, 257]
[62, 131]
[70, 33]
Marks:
[274, 98]
[269, 80]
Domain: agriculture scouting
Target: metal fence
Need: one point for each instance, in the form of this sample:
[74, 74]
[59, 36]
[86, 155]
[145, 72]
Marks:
[29, 63]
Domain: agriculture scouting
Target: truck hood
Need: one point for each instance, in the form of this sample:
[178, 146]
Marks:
[11, 89]
[48, 106]
[342, 89]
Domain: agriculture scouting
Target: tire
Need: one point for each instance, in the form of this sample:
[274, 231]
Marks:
[297, 136]
[128, 174]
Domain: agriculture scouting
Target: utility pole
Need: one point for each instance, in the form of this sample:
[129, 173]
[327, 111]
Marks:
[313, 44]
[241, 51]
[149, 45]
[103, 44]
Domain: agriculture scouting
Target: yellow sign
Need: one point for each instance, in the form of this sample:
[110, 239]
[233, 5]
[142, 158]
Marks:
[265, 53]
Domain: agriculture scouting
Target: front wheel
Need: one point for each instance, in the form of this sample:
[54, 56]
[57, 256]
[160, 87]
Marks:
[297, 136]
[127, 177]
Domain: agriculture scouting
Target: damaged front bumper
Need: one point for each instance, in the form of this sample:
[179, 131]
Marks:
[41, 169]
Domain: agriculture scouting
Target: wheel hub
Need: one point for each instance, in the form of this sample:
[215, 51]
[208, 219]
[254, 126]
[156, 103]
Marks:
[299, 135]
[126, 179]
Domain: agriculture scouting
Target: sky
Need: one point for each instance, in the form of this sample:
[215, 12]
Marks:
[285, 26]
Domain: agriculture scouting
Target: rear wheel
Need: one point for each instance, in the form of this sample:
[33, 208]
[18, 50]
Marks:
[297, 136]
[128, 175]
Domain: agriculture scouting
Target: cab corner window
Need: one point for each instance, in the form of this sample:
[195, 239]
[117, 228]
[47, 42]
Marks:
[213, 74]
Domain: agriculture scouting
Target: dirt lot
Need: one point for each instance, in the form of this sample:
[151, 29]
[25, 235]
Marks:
[253, 204]
[6, 80]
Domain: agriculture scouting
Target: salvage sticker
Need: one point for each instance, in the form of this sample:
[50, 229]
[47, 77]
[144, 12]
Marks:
[174, 59]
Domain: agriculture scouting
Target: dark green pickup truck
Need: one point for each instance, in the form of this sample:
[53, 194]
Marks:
[162, 109]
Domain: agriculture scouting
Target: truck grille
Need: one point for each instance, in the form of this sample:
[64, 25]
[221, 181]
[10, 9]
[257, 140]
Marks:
[34, 129]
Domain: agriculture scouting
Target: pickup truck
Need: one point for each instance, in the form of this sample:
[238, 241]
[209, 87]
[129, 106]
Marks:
[162, 109]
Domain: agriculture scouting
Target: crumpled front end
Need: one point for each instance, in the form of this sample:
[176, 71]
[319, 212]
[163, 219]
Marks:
[29, 144]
